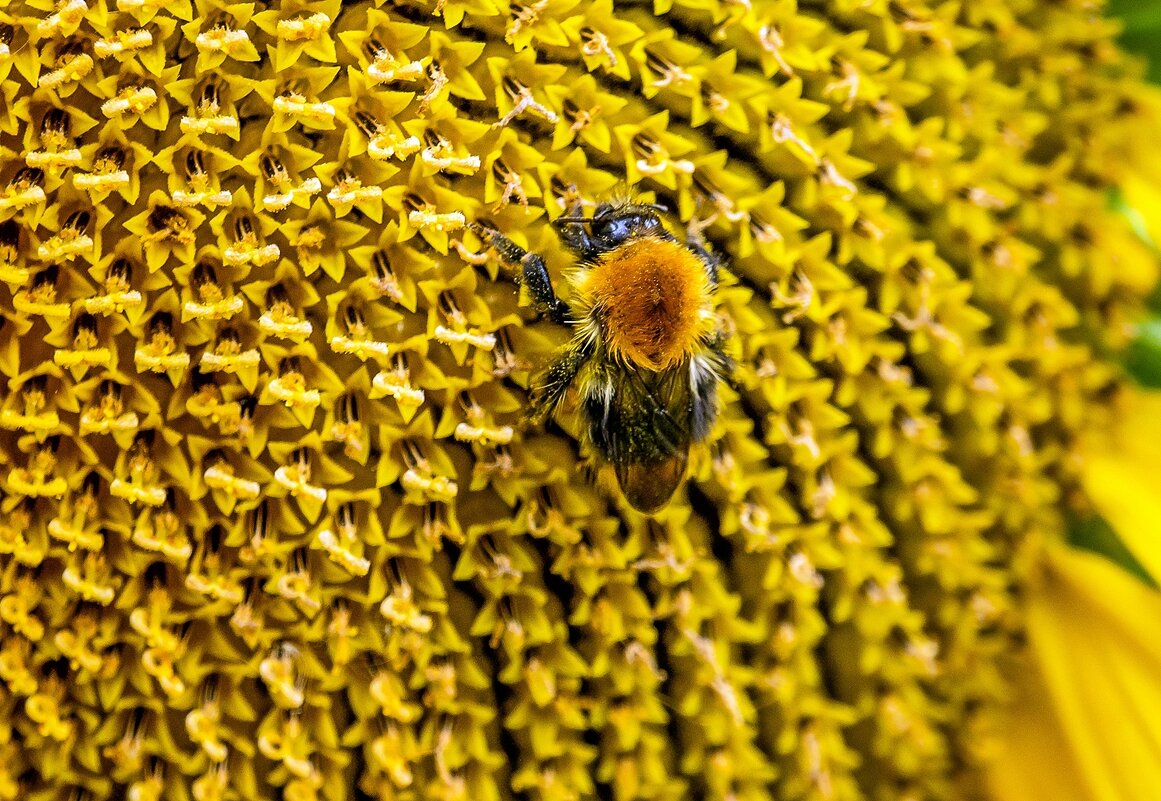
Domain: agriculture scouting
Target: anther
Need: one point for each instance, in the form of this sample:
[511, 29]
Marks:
[58, 149]
[339, 541]
[70, 241]
[386, 67]
[108, 173]
[349, 190]
[782, 131]
[292, 102]
[473, 429]
[829, 173]
[129, 40]
[211, 299]
[770, 39]
[108, 413]
[348, 426]
[207, 116]
[438, 154]
[594, 43]
[25, 189]
[166, 222]
[723, 205]
[159, 353]
[421, 214]
[200, 191]
[222, 477]
[280, 318]
[396, 383]
[219, 36]
[279, 672]
[40, 298]
[847, 83]
[228, 356]
[437, 82]
[297, 583]
[290, 386]
[654, 159]
[669, 74]
[66, 16]
[278, 177]
[246, 249]
[72, 64]
[457, 331]
[85, 350]
[420, 478]
[303, 28]
[512, 183]
[523, 100]
[294, 476]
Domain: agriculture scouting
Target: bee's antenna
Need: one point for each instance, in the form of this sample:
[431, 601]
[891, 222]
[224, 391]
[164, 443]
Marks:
[573, 220]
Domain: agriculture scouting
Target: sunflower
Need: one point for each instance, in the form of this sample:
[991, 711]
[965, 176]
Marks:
[274, 520]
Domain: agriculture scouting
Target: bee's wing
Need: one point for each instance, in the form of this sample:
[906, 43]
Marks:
[651, 452]
[668, 394]
[644, 418]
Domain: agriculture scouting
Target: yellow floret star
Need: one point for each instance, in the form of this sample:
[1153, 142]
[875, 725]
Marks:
[560, 401]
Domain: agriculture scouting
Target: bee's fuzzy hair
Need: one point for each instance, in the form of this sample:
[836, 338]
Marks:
[648, 302]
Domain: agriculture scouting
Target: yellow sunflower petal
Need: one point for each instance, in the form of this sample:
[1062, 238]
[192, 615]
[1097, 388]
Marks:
[1143, 196]
[1120, 476]
[1083, 726]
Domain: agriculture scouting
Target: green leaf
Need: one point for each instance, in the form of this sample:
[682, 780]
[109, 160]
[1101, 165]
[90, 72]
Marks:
[1143, 356]
[1142, 31]
[1124, 8]
[1094, 534]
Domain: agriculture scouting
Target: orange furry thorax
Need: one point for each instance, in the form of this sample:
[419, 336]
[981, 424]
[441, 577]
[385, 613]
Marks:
[652, 299]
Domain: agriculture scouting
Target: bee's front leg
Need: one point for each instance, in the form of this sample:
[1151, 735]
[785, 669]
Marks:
[570, 226]
[574, 236]
[534, 273]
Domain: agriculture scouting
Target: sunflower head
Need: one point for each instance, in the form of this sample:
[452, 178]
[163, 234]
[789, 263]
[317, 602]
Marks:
[274, 518]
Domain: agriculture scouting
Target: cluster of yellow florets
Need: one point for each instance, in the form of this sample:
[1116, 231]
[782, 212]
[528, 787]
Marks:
[270, 518]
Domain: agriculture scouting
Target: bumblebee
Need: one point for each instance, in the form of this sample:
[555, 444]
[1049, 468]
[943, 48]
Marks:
[646, 356]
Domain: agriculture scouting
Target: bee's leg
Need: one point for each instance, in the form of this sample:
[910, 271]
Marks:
[534, 273]
[551, 387]
[575, 237]
[697, 244]
[573, 234]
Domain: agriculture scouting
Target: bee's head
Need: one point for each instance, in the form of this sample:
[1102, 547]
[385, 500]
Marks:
[613, 224]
